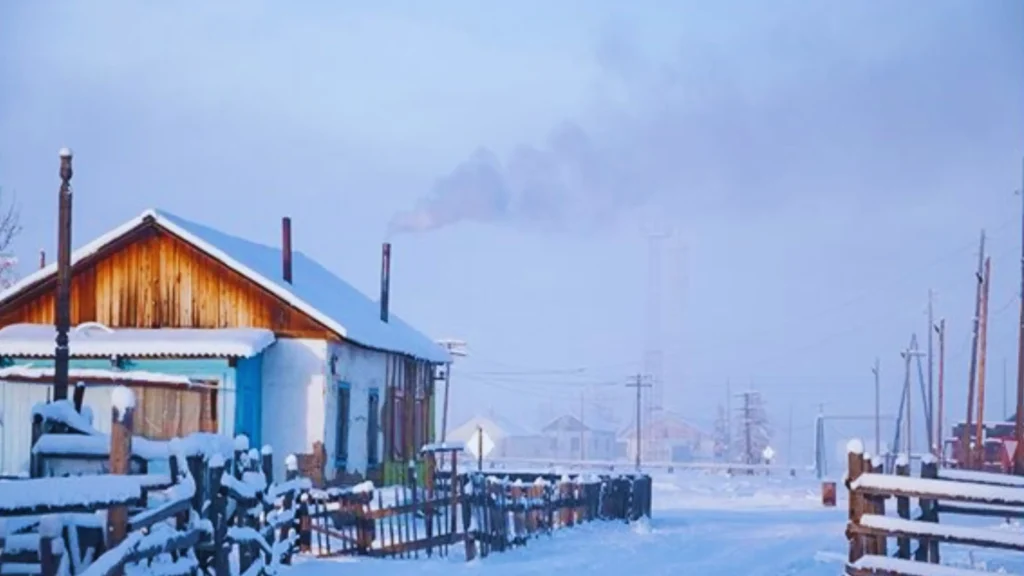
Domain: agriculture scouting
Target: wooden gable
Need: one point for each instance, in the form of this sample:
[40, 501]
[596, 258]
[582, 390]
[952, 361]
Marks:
[150, 278]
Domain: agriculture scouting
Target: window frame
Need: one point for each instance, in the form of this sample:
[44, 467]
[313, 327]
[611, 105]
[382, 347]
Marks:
[342, 424]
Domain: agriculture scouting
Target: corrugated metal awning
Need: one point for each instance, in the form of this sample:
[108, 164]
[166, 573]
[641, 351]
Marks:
[92, 340]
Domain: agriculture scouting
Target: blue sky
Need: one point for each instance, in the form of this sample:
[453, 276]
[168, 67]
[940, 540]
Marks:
[824, 164]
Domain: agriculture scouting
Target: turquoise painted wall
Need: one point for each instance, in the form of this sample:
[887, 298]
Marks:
[242, 385]
[249, 399]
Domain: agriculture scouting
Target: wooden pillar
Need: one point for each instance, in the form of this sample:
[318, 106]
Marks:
[903, 508]
[49, 534]
[930, 512]
[121, 425]
[881, 544]
[855, 464]
[291, 466]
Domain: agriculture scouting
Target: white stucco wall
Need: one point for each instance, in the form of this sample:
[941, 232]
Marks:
[363, 370]
[294, 396]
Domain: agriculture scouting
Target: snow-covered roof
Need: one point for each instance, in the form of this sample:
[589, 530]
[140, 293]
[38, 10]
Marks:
[494, 425]
[93, 340]
[314, 290]
[94, 376]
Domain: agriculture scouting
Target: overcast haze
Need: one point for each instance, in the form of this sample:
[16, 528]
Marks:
[824, 164]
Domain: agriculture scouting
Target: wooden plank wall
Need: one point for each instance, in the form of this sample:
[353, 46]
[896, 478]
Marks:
[152, 279]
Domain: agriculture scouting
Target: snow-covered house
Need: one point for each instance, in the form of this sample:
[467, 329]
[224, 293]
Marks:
[291, 353]
[500, 437]
[573, 439]
[666, 437]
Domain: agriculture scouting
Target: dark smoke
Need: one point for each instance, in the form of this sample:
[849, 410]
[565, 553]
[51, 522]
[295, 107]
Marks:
[792, 108]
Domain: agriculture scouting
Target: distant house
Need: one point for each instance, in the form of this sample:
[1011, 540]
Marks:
[572, 439]
[501, 438]
[291, 354]
[666, 437]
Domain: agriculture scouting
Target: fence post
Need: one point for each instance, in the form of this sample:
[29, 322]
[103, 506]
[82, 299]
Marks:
[291, 466]
[35, 465]
[49, 533]
[855, 463]
[218, 514]
[878, 507]
[930, 509]
[121, 425]
[903, 507]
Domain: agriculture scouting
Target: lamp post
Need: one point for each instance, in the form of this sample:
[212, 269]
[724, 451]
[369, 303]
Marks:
[62, 304]
[456, 348]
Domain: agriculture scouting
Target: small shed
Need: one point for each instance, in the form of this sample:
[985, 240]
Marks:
[30, 386]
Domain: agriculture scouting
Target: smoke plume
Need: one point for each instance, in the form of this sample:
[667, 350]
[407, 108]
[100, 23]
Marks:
[789, 108]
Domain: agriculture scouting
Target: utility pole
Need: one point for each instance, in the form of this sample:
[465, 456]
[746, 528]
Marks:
[583, 427]
[639, 383]
[908, 354]
[455, 348]
[62, 302]
[728, 419]
[931, 364]
[1006, 414]
[1018, 456]
[878, 410]
[965, 436]
[789, 438]
[979, 441]
[941, 425]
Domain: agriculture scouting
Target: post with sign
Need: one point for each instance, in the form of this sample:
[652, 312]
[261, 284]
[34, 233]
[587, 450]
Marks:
[768, 454]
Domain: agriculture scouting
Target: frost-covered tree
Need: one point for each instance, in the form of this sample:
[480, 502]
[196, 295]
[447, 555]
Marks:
[722, 448]
[10, 227]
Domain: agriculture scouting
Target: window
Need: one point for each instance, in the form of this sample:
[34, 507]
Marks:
[398, 424]
[373, 429]
[574, 444]
[341, 437]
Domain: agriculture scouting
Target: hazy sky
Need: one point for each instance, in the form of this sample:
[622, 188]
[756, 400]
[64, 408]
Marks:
[824, 163]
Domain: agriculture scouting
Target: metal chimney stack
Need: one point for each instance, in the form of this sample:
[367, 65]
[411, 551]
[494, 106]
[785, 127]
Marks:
[385, 280]
[286, 249]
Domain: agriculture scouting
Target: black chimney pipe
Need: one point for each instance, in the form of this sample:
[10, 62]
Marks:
[385, 280]
[286, 249]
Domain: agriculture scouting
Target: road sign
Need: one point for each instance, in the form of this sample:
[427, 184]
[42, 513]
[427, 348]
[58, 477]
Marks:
[768, 453]
[1011, 447]
[479, 440]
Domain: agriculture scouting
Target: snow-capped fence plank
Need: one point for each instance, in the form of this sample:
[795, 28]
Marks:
[869, 527]
[42, 496]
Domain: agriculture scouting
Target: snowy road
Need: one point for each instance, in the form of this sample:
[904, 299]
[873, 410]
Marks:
[702, 525]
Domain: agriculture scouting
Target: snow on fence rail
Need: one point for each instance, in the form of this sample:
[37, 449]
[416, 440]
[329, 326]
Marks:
[946, 492]
[219, 512]
[486, 513]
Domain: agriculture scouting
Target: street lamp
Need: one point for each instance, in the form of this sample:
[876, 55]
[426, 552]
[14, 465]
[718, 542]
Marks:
[62, 304]
[456, 348]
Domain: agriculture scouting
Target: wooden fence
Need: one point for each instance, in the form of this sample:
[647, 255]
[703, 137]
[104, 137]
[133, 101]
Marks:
[486, 513]
[219, 511]
[940, 493]
[207, 510]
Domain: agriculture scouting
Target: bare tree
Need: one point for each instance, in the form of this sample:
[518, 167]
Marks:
[10, 227]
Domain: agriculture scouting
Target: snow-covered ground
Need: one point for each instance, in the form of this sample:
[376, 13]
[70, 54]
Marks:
[703, 524]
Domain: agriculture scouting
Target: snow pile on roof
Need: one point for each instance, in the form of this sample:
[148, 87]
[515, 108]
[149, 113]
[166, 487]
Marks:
[31, 373]
[314, 290]
[94, 340]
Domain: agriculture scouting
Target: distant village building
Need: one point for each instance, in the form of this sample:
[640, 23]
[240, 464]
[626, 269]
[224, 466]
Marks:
[501, 438]
[572, 439]
[290, 354]
[667, 437]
